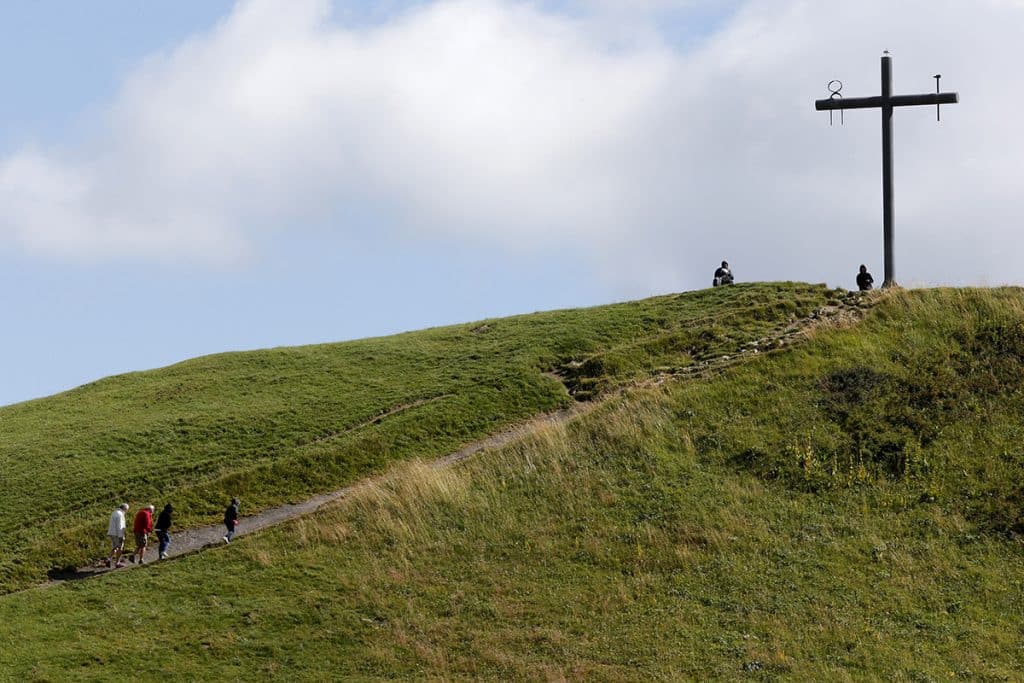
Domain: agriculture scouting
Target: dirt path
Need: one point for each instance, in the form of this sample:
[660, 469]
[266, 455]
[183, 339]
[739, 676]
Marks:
[847, 311]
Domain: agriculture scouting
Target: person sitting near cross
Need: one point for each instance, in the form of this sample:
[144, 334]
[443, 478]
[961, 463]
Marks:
[864, 279]
[723, 276]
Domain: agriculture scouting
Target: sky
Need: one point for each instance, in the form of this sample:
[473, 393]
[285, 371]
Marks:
[185, 178]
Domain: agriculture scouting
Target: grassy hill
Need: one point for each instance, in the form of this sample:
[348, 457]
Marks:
[849, 508]
[279, 425]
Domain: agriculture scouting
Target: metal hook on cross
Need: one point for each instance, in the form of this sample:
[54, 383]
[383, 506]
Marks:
[835, 87]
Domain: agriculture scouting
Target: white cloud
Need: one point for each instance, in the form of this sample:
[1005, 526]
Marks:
[504, 123]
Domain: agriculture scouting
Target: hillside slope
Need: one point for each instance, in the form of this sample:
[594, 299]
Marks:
[280, 425]
[846, 509]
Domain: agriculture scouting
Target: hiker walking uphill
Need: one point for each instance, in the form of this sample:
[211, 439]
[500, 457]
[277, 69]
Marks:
[231, 520]
[115, 532]
[142, 527]
[163, 525]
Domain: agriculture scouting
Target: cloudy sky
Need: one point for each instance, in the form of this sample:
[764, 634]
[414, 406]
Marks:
[204, 175]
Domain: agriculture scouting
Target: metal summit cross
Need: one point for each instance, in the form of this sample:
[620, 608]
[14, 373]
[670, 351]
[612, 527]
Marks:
[886, 102]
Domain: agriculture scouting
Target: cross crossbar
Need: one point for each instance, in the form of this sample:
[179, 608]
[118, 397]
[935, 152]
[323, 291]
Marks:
[894, 101]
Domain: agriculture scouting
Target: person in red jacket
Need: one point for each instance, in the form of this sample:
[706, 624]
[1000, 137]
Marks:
[142, 527]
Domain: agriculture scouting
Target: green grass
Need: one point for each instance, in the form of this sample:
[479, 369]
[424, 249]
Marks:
[279, 425]
[842, 510]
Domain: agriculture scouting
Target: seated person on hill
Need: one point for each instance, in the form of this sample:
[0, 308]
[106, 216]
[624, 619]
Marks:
[723, 276]
[864, 279]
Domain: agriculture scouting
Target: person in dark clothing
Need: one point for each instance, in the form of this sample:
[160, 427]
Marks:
[163, 524]
[231, 520]
[864, 279]
[723, 276]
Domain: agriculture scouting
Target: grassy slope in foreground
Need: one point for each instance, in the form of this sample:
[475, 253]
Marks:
[747, 526]
[278, 425]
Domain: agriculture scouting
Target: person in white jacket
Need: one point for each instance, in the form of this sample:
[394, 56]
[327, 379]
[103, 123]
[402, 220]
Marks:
[115, 532]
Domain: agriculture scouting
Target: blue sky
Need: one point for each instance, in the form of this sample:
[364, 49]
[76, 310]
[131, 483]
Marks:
[200, 176]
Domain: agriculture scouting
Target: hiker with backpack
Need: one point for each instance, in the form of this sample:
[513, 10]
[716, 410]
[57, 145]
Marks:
[142, 527]
[231, 520]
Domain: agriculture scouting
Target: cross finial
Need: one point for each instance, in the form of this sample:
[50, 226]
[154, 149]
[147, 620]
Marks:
[885, 53]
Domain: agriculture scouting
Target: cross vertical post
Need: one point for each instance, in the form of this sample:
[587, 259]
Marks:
[887, 102]
[887, 209]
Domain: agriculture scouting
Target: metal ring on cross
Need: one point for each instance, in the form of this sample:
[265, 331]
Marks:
[835, 86]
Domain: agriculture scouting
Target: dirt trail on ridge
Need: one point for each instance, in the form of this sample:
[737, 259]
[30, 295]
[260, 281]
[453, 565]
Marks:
[846, 311]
